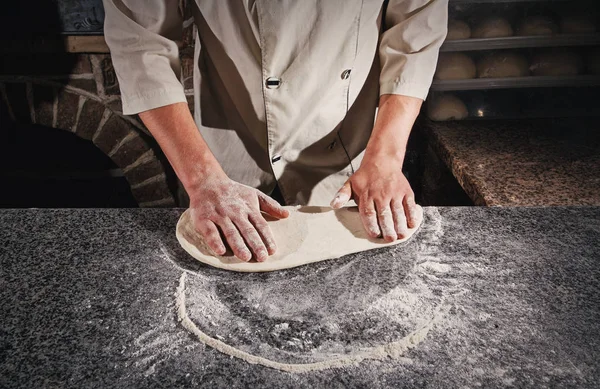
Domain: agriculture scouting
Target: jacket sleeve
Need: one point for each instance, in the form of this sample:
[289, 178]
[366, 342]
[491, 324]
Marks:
[142, 39]
[408, 51]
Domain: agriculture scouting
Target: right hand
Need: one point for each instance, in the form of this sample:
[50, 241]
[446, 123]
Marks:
[221, 207]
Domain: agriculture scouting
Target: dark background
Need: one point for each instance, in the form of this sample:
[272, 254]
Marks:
[41, 166]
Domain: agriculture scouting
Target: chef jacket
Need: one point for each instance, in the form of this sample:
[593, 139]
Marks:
[286, 91]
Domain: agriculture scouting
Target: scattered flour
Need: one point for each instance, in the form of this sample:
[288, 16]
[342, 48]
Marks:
[323, 315]
[391, 350]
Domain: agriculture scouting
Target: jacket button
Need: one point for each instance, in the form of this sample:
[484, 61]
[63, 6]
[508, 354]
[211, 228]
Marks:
[346, 74]
[273, 82]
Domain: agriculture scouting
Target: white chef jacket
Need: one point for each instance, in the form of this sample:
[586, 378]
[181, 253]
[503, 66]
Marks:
[285, 91]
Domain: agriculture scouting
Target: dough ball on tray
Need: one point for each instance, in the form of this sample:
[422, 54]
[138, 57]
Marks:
[446, 107]
[457, 29]
[578, 24]
[492, 27]
[537, 25]
[455, 66]
[556, 62]
[502, 64]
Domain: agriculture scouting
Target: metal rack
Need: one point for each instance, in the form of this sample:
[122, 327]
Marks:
[501, 101]
[515, 82]
[520, 42]
[506, 1]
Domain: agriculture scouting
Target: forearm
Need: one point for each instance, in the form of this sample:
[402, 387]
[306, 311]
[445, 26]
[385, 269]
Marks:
[395, 119]
[386, 202]
[174, 129]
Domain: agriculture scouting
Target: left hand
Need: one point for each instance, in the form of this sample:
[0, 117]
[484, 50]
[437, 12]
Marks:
[385, 199]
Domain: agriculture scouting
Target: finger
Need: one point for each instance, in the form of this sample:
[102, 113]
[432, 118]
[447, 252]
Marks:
[253, 240]
[369, 218]
[342, 196]
[272, 207]
[399, 215]
[264, 231]
[412, 211]
[386, 222]
[235, 240]
[211, 236]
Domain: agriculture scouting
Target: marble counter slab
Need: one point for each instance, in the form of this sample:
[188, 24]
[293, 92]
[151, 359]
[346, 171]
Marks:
[522, 163]
[88, 300]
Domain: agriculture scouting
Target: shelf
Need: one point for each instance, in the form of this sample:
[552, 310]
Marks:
[527, 116]
[519, 42]
[508, 1]
[515, 82]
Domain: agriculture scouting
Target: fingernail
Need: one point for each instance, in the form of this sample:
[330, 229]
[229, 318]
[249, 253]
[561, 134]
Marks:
[338, 201]
[246, 256]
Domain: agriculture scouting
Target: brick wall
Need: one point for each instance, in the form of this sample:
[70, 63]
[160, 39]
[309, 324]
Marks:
[79, 93]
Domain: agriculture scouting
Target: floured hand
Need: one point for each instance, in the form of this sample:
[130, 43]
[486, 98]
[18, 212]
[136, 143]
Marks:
[385, 200]
[222, 208]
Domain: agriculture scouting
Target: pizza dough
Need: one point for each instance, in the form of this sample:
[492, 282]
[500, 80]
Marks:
[578, 24]
[537, 25]
[446, 107]
[455, 66]
[457, 29]
[502, 64]
[492, 27]
[556, 62]
[309, 234]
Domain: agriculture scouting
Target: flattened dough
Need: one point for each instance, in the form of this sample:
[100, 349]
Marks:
[309, 234]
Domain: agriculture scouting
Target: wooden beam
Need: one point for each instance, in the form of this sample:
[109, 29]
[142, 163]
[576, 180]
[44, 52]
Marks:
[85, 44]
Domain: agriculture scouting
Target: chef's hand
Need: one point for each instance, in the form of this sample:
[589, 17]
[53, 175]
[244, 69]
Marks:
[221, 204]
[217, 203]
[385, 199]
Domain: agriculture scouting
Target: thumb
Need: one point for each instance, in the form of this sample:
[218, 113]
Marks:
[342, 196]
[272, 207]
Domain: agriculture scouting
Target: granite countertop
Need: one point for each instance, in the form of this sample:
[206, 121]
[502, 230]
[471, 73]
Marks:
[511, 297]
[522, 162]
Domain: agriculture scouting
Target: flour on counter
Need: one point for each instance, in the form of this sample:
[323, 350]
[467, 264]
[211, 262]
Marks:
[371, 305]
[389, 350]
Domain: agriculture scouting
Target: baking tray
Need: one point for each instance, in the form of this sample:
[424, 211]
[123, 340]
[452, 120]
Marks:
[518, 42]
[515, 82]
[507, 1]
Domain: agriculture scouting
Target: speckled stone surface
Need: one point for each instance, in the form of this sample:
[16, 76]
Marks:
[522, 163]
[87, 300]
